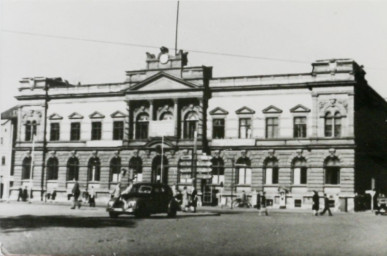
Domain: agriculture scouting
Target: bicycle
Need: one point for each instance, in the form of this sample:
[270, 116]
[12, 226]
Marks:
[239, 202]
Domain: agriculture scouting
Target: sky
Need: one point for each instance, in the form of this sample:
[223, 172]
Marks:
[97, 41]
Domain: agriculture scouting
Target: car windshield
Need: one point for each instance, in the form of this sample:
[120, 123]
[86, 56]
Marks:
[141, 189]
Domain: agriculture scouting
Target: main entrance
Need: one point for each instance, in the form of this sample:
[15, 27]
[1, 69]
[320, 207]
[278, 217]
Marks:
[160, 170]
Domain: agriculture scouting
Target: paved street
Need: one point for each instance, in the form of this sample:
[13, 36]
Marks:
[55, 229]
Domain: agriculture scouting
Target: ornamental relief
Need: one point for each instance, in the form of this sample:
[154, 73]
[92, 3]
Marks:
[190, 108]
[164, 109]
[139, 110]
[32, 115]
[333, 104]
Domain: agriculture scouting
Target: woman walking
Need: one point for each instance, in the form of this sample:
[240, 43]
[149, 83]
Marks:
[316, 203]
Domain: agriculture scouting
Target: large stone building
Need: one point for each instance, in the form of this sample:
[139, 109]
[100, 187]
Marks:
[286, 134]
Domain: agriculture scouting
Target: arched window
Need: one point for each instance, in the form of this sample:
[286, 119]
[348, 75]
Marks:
[332, 125]
[166, 116]
[243, 171]
[299, 171]
[270, 172]
[52, 168]
[72, 169]
[190, 125]
[217, 170]
[115, 168]
[26, 168]
[93, 172]
[135, 167]
[28, 131]
[142, 124]
[332, 170]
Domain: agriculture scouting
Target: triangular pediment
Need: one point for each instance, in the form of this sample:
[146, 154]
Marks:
[75, 115]
[55, 116]
[218, 111]
[118, 114]
[163, 82]
[245, 110]
[96, 114]
[272, 110]
[299, 109]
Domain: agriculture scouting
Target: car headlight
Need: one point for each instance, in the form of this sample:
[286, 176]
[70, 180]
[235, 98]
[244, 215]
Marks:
[131, 204]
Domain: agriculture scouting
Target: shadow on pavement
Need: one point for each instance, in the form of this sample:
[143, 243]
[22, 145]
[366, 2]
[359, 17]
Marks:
[29, 222]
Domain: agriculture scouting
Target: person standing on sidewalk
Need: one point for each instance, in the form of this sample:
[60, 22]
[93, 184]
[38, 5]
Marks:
[326, 206]
[263, 203]
[76, 192]
[92, 197]
[316, 203]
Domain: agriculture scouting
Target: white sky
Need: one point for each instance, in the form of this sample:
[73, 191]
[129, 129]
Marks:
[291, 30]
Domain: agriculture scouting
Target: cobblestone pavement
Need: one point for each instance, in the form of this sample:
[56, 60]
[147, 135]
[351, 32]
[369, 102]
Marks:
[57, 230]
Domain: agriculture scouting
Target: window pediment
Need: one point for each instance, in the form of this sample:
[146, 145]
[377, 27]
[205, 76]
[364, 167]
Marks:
[55, 116]
[272, 110]
[245, 110]
[75, 115]
[118, 114]
[96, 115]
[218, 111]
[299, 109]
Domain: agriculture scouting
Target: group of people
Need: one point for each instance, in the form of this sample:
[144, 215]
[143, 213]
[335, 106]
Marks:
[89, 196]
[316, 204]
[23, 194]
[188, 199]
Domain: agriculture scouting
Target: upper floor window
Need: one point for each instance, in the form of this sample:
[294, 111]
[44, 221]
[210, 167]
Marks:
[142, 126]
[218, 128]
[115, 169]
[299, 171]
[94, 167]
[271, 171]
[190, 125]
[72, 169]
[96, 130]
[54, 131]
[332, 125]
[217, 170]
[299, 127]
[245, 128]
[332, 170]
[75, 132]
[243, 171]
[30, 130]
[118, 130]
[135, 167]
[26, 168]
[52, 168]
[271, 127]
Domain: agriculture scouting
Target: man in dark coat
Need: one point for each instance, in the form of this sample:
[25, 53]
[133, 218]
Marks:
[76, 192]
[25, 194]
[316, 203]
[326, 206]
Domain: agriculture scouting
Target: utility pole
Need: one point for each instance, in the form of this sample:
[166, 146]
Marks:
[43, 183]
[177, 25]
[194, 162]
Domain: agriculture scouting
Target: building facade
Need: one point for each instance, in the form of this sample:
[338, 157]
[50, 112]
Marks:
[285, 135]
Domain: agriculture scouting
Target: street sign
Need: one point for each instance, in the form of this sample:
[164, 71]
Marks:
[203, 170]
[204, 176]
[186, 157]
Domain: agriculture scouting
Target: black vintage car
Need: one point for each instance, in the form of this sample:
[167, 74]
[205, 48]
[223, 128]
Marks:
[144, 199]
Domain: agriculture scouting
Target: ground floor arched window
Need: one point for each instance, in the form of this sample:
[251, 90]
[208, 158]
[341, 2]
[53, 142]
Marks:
[52, 168]
[93, 170]
[332, 170]
[299, 171]
[243, 171]
[160, 170]
[72, 169]
[26, 168]
[115, 168]
[271, 170]
[217, 170]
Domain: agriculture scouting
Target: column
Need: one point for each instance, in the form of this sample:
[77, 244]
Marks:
[150, 110]
[175, 115]
[315, 116]
[129, 130]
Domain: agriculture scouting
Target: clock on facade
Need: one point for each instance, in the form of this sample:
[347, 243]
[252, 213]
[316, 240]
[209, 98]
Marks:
[164, 58]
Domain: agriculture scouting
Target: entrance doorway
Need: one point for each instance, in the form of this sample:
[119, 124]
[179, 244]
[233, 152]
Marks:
[208, 195]
[160, 170]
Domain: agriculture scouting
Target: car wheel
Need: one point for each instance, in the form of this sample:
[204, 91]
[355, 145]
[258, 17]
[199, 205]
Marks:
[113, 215]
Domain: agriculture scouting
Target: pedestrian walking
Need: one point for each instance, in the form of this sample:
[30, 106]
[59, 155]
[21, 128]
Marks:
[194, 200]
[263, 203]
[20, 195]
[316, 203]
[92, 196]
[185, 199]
[326, 206]
[76, 192]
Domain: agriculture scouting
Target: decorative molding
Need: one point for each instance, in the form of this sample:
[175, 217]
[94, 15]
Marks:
[299, 109]
[55, 116]
[164, 109]
[272, 110]
[218, 111]
[32, 115]
[245, 110]
[118, 114]
[75, 115]
[140, 110]
[96, 115]
[333, 105]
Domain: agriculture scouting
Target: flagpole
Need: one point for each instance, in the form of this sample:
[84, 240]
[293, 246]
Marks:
[162, 159]
[177, 25]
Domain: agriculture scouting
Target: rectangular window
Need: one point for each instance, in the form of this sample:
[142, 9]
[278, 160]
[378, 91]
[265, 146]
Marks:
[272, 127]
[190, 128]
[332, 175]
[28, 132]
[297, 203]
[299, 127]
[1, 140]
[142, 130]
[271, 176]
[245, 128]
[118, 130]
[75, 132]
[218, 129]
[328, 126]
[55, 131]
[299, 175]
[96, 130]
